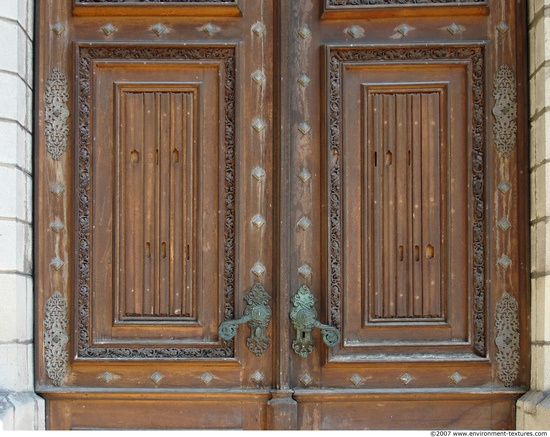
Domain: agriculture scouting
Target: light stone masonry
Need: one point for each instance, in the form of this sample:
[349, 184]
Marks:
[533, 409]
[20, 407]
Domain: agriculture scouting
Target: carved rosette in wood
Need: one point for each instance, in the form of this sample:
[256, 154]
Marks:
[56, 338]
[505, 111]
[56, 113]
[507, 339]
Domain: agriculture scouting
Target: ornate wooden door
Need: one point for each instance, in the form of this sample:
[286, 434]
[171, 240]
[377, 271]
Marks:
[414, 136]
[281, 214]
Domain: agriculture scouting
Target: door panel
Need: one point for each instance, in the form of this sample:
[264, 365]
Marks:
[139, 127]
[167, 165]
[218, 179]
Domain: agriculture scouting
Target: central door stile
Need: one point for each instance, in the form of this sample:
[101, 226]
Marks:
[282, 408]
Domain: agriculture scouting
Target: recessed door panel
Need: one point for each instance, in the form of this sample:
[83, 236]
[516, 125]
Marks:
[405, 149]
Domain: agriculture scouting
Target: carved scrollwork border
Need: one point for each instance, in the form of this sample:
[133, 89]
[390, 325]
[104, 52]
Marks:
[354, 4]
[195, 2]
[56, 338]
[87, 55]
[474, 54]
[507, 339]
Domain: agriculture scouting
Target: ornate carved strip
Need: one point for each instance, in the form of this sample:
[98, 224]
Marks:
[56, 113]
[195, 2]
[505, 111]
[507, 339]
[87, 56]
[56, 338]
[473, 54]
[355, 3]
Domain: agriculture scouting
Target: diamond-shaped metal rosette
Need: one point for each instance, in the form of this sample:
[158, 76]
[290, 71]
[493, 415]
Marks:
[258, 173]
[504, 224]
[304, 32]
[109, 29]
[305, 271]
[453, 29]
[304, 80]
[159, 29]
[406, 378]
[210, 29]
[355, 31]
[107, 377]
[258, 76]
[356, 379]
[456, 377]
[58, 28]
[504, 261]
[306, 379]
[156, 377]
[304, 223]
[504, 187]
[257, 377]
[403, 29]
[502, 27]
[258, 221]
[258, 269]
[57, 189]
[304, 128]
[258, 28]
[57, 263]
[304, 176]
[258, 124]
[57, 226]
[207, 378]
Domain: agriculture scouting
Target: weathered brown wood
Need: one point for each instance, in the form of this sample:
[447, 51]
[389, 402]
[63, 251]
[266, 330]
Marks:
[355, 141]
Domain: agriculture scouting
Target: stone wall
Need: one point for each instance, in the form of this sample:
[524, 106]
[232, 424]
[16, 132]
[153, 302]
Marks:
[20, 407]
[533, 410]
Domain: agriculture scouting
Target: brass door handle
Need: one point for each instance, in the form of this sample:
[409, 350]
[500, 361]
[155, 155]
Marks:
[304, 318]
[257, 314]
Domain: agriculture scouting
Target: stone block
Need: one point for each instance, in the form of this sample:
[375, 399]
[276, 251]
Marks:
[540, 252]
[21, 411]
[15, 145]
[540, 139]
[539, 36]
[16, 308]
[540, 192]
[7, 413]
[534, 8]
[15, 247]
[16, 362]
[28, 411]
[540, 309]
[9, 49]
[539, 92]
[540, 367]
[15, 99]
[16, 194]
[533, 411]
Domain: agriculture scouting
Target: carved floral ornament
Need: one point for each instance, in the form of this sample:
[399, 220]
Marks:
[505, 111]
[507, 339]
[56, 338]
[56, 113]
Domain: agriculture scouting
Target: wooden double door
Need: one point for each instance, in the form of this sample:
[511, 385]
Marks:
[281, 214]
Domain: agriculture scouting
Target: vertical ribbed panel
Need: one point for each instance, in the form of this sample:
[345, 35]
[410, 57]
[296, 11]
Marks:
[405, 135]
[157, 157]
